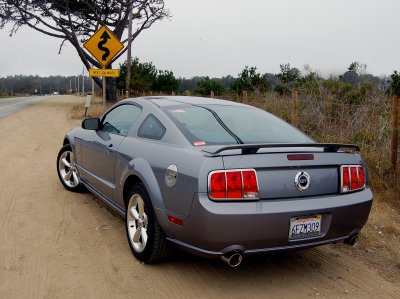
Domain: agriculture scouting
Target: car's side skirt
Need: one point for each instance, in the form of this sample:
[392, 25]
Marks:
[103, 198]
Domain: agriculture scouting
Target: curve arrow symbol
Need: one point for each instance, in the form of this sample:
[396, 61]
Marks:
[104, 37]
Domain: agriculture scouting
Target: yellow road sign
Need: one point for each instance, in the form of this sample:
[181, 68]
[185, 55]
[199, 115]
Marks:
[104, 72]
[103, 45]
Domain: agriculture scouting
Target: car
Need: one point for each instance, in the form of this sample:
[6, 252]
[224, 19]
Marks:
[217, 178]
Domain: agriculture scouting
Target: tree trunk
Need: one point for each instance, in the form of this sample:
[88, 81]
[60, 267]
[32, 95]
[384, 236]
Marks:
[111, 94]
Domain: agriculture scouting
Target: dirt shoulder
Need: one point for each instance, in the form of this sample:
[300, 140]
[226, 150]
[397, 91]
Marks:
[57, 244]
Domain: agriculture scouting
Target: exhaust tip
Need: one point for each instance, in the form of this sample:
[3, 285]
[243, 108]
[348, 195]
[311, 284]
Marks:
[233, 259]
[352, 241]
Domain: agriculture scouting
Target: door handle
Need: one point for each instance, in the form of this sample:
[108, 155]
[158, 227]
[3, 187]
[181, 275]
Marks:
[110, 149]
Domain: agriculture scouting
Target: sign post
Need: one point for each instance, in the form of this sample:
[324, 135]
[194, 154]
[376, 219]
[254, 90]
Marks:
[104, 46]
[87, 103]
[395, 132]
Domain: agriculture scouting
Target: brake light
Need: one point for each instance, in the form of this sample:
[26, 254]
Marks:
[361, 178]
[346, 179]
[233, 184]
[352, 178]
[217, 185]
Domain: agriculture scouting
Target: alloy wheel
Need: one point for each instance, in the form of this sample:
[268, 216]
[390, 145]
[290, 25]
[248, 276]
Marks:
[67, 169]
[137, 223]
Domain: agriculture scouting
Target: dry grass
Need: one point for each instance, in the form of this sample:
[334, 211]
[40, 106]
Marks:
[6, 96]
[96, 109]
[330, 120]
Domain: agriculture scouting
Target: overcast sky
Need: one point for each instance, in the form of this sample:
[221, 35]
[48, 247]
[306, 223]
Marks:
[221, 37]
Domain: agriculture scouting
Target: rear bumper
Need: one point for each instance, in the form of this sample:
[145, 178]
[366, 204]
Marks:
[215, 228]
[248, 252]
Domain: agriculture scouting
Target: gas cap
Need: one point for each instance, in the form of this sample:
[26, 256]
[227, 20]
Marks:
[171, 175]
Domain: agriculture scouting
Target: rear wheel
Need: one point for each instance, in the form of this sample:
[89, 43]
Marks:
[145, 236]
[67, 170]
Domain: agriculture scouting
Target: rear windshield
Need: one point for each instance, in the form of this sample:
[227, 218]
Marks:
[217, 124]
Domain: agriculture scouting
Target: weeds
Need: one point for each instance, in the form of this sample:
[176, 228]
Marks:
[330, 118]
[96, 109]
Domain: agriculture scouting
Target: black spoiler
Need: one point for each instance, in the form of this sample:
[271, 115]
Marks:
[253, 148]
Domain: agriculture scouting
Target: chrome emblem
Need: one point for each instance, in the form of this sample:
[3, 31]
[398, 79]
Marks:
[302, 181]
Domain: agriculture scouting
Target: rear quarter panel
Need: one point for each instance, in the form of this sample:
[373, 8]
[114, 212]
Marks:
[149, 159]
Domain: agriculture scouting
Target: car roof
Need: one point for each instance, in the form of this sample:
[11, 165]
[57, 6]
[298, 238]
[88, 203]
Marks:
[163, 101]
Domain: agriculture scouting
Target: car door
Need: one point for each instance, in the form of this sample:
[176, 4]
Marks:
[99, 151]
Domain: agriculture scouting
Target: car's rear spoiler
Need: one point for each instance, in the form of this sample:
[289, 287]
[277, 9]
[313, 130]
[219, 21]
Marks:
[253, 148]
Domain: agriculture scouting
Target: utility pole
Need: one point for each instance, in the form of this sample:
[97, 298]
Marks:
[128, 61]
[92, 87]
[77, 77]
[83, 81]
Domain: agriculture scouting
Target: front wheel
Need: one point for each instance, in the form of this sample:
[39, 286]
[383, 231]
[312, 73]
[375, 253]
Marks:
[145, 236]
[67, 170]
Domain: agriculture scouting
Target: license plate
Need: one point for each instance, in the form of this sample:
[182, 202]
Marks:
[305, 227]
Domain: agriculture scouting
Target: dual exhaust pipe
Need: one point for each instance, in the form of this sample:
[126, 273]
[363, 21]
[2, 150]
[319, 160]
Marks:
[233, 258]
[352, 240]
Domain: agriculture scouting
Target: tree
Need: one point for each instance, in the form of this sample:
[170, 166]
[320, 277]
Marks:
[145, 77]
[189, 84]
[288, 74]
[354, 73]
[166, 82]
[76, 20]
[395, 83]
[288, 77]
[359, 68]
[250, 80]
[206, 85]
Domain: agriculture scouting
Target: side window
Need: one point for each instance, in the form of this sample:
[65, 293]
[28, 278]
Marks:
[120, 119]
[151, 128]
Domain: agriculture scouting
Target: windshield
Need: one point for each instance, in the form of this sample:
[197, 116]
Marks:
[218, 124]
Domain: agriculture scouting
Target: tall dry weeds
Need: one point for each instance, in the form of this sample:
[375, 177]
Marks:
[327, 118]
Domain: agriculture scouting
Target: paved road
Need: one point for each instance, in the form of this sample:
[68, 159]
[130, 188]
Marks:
[11, 105]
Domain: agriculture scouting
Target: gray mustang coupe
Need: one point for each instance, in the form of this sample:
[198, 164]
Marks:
[216, 178]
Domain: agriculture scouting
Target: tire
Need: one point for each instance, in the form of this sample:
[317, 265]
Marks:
[145, 236]
[67, 171]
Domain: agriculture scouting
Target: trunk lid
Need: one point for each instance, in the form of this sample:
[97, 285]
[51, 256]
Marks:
[292, 172]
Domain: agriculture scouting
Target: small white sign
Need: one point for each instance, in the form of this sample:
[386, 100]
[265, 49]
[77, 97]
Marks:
[88, 99]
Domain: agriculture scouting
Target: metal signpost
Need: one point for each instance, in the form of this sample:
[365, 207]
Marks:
[104, 45]
[87, 103]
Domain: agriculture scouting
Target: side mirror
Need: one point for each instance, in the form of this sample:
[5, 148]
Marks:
[91, 124]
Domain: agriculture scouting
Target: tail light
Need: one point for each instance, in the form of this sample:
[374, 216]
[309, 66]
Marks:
[233, 184]
[352, 178]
